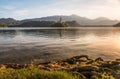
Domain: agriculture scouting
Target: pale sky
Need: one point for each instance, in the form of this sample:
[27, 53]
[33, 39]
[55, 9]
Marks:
[24, 9]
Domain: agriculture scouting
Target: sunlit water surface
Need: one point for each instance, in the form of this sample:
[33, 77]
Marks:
[34, 45]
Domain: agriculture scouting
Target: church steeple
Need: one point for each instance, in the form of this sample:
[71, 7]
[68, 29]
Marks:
[60, 20]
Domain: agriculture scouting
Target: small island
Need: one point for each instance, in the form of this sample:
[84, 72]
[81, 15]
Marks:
[60, 24]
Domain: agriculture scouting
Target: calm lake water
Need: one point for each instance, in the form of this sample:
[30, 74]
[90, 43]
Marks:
[34, 45]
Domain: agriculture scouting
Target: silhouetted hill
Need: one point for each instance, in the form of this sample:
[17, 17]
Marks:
[104, 21]
[8, 20]
[117, 25]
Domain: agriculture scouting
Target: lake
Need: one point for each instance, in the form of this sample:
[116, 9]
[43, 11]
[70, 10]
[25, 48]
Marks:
[35, 45]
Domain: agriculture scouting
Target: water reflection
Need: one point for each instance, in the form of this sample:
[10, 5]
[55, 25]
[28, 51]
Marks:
[58, 43]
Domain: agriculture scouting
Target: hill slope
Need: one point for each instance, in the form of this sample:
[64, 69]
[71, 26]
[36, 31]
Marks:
[117, 25]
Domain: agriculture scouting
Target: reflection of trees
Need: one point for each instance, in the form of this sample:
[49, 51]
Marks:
[8, 33]
[58, 33]
[53, 33]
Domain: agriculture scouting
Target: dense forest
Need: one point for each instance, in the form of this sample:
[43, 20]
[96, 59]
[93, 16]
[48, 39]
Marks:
[47, 24]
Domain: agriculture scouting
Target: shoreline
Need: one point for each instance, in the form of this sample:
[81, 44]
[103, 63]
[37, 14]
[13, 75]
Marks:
[81, 65]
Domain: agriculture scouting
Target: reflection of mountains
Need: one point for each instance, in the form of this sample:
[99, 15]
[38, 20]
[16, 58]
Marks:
[57, 33]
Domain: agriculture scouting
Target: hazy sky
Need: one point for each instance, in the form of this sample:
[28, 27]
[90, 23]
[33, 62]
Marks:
[21, 9]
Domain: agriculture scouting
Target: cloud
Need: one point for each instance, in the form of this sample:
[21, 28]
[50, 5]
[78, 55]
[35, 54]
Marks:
[21, 12]
[113, 2]
[87, 8]
[8, 7]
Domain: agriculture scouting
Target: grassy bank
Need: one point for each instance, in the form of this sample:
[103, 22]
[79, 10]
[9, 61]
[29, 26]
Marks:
[79, 67]
[34, 73]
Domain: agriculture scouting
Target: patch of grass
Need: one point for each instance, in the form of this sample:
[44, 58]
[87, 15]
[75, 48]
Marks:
[34, 73]
[107, 77]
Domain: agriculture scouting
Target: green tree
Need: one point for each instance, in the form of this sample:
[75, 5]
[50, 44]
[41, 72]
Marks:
[3, 25]
[58, 24]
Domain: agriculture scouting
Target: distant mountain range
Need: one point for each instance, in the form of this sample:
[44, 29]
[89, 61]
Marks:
[8, 20]
[78, 19]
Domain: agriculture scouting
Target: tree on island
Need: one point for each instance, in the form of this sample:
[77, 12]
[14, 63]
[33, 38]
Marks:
[57, 24]
[73, 23]
[60, 24]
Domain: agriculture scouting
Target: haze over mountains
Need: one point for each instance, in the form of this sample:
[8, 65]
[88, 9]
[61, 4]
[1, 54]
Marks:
[7, 20]
[79, 19]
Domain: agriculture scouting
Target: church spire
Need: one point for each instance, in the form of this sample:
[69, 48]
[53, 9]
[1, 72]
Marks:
[60, 19]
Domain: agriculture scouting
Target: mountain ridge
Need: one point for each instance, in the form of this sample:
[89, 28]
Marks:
[79, 19]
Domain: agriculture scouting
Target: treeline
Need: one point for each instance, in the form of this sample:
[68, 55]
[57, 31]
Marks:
[34, 24]
[51, 24]
[3, 25]
[47, 24]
